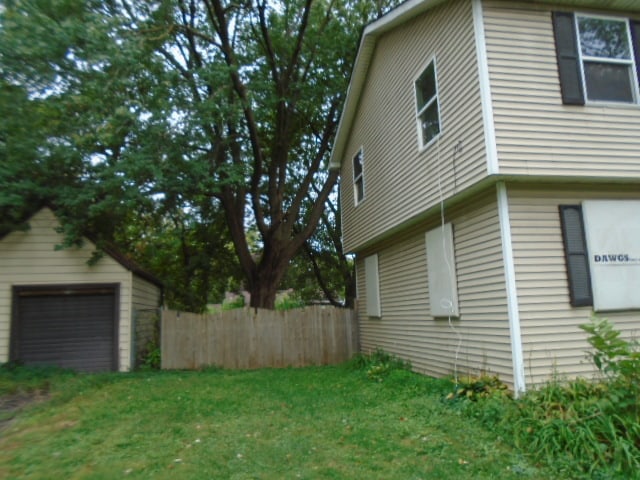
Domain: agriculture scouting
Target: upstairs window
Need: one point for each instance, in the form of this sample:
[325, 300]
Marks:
[358, 176]
[607, 59]
[596, 58]
[428, 113]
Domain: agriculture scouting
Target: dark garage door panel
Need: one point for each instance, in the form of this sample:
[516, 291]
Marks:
[73, 330]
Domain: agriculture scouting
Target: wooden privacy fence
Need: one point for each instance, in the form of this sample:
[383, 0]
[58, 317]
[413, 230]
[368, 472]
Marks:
[248, 338]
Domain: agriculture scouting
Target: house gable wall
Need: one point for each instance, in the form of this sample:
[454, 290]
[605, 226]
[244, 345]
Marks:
[402, 181]
[535, 133]
[30, 258]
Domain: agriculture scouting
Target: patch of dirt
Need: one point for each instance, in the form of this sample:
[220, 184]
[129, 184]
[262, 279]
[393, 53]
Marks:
[11, 404]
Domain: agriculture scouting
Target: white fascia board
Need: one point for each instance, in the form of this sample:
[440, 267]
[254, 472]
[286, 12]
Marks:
[395, 17]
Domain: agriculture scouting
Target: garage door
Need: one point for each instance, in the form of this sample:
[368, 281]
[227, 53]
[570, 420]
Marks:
[72, 327]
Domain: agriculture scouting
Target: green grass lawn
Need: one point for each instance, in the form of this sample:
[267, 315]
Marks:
[309, 423]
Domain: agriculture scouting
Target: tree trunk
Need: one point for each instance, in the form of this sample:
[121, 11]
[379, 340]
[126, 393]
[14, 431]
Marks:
[350, 291]
[263, 296]
[263, 286]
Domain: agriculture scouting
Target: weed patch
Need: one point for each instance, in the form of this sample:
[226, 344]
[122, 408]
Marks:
[582, 429]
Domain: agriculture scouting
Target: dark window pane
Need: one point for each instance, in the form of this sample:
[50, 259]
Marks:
[426, 86]
[604, 38]
[606, 81]
[357, 165]
[359, 189]
[429, 123]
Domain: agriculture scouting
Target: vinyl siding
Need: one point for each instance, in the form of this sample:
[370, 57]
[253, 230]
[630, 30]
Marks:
[551, 339]
[535, 133]
[479, 340]
[30, 258]
[401, 181]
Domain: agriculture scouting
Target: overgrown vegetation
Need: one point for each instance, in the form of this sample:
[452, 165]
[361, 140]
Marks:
[584, 429]
[379, 364]
[474, 388]
[16, 379]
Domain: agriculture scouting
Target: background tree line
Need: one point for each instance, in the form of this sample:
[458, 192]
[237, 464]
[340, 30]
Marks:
[192, 134]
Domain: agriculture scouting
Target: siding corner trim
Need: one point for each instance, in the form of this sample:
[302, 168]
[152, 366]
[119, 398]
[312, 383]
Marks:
[485, 89]
[519, 383]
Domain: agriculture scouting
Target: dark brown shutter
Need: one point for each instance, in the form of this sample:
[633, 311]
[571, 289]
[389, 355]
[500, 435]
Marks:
[577, 257]
[564, 29]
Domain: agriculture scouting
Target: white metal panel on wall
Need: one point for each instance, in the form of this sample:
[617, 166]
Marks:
[442, 272]
[612, 230]
[372, 286]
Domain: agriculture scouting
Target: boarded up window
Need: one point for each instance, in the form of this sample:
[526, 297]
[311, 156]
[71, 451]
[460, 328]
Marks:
[443, 287]
[612, 231]
[372, 286]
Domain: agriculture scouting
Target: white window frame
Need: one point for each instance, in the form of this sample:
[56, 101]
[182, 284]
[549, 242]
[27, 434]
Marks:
[420, 110]
[358, 179]
[631, 63]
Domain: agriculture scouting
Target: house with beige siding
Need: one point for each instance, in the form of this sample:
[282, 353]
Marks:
[58, 308]
[490, 183]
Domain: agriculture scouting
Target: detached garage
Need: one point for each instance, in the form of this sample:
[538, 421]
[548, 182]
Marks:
[56, 309]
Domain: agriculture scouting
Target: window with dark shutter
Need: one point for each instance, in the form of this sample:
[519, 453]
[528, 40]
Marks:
[577, 257]
[596, 58]
[564, 29]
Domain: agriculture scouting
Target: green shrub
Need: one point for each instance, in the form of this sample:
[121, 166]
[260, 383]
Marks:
[289, 302]
[237, 302]
[580, 428]
[152, 356]
[475, 388]
[379, 364]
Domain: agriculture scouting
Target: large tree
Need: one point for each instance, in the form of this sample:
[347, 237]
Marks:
[191, 107]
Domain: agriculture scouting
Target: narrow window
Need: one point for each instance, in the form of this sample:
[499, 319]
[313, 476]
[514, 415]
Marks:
[428, 111]
[358, 176]
[576, 255]
[372, 286]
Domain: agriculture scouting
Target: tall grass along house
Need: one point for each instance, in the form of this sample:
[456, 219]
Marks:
[490, 180]
[57, 309]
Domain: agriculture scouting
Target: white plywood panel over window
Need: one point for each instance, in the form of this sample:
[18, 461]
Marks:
[612, 230]
[372, 286]
[442, 272]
